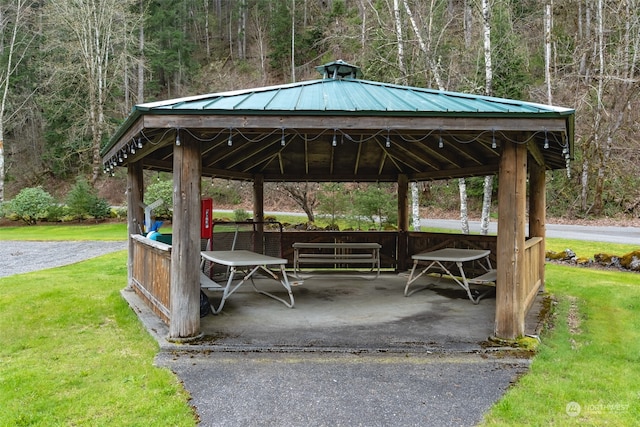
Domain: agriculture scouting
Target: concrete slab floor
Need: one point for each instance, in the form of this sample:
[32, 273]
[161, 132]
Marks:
[338, 313]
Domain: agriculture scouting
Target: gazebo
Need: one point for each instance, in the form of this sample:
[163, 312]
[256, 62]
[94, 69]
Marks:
[345, 129]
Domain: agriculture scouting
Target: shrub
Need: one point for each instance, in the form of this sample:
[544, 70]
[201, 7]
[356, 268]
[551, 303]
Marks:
[160, 190]
[83, 202]
[241, 215]
[30, 204]
[57, 213]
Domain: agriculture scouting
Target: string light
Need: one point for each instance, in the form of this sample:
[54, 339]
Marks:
[137, 143]
[546, 140]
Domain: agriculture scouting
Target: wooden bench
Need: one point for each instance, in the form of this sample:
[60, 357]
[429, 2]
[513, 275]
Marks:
[340, 255]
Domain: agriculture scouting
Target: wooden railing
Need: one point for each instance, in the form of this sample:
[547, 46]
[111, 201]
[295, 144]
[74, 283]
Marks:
[151, 274]
[533, 271]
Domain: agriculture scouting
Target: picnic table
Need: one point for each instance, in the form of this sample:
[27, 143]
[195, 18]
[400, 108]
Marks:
[246, 262]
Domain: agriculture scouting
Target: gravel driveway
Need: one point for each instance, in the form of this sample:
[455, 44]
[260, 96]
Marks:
[17, 257]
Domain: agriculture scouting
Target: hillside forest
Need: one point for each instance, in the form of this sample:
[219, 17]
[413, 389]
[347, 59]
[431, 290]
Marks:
[71, 70]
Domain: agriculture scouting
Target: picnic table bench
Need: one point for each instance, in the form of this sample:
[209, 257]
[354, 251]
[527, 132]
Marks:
[336, 254]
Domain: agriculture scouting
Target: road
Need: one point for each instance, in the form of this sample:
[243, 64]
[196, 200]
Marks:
[611, 234]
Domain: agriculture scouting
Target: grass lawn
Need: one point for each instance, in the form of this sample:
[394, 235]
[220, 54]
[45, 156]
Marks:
[586, 369]
[74, 353]
[102, 232]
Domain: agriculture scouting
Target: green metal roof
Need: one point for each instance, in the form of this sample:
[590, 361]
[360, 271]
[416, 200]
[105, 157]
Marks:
[290, 131]
[349, 96]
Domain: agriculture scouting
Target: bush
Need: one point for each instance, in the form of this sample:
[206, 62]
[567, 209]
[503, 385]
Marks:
[83, 202]
[241, 215]
[160, 190]
[57, 213]
[30, 205]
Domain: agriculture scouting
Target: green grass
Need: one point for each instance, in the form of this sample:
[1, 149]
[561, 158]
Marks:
[102, 232]
[74, 353]
[588, 249]
[590, 356]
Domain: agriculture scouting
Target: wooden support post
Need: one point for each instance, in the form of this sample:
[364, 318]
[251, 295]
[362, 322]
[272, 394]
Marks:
[258, 210]
[185, 254]
[512, 189]
[537, 208]
[135, 212]
[403, 221]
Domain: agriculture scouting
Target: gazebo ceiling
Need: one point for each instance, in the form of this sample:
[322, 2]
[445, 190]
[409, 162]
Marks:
[341, 128]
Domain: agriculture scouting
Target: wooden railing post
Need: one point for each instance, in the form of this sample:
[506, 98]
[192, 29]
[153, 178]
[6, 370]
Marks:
[185, 255]
[512, 188]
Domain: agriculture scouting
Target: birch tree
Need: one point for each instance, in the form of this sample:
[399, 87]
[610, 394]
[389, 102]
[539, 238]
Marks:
[415, 197]
[12, 22]
[488, 88]
[90, 32]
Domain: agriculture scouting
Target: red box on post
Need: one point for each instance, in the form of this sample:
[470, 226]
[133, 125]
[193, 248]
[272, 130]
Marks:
[206, 218]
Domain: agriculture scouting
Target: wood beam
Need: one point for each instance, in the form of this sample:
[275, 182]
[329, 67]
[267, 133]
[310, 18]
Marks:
[374, 124]
[135, 211]
[403, 220]
[185, 254]
[537, 208]
[512, 187]
[258, 198]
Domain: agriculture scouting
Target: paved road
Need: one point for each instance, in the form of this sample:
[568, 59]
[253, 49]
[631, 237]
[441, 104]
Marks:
[612, 234]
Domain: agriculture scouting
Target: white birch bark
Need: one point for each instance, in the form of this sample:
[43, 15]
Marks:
[293, 41]
[486, 205]
[547, 49]
[425, 47]
[464, 216]
[398, 24]
[415, 206]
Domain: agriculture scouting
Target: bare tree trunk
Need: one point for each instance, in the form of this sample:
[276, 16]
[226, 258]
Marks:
[398, 24]
[293, 41]
[304, 196]
[486, 25]
[468, 23]
[415, 206]
[207, 38]
[242, 30]
[141, 56]
[464, 216]
[425, 47]
[547, 48]
[486, 205]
